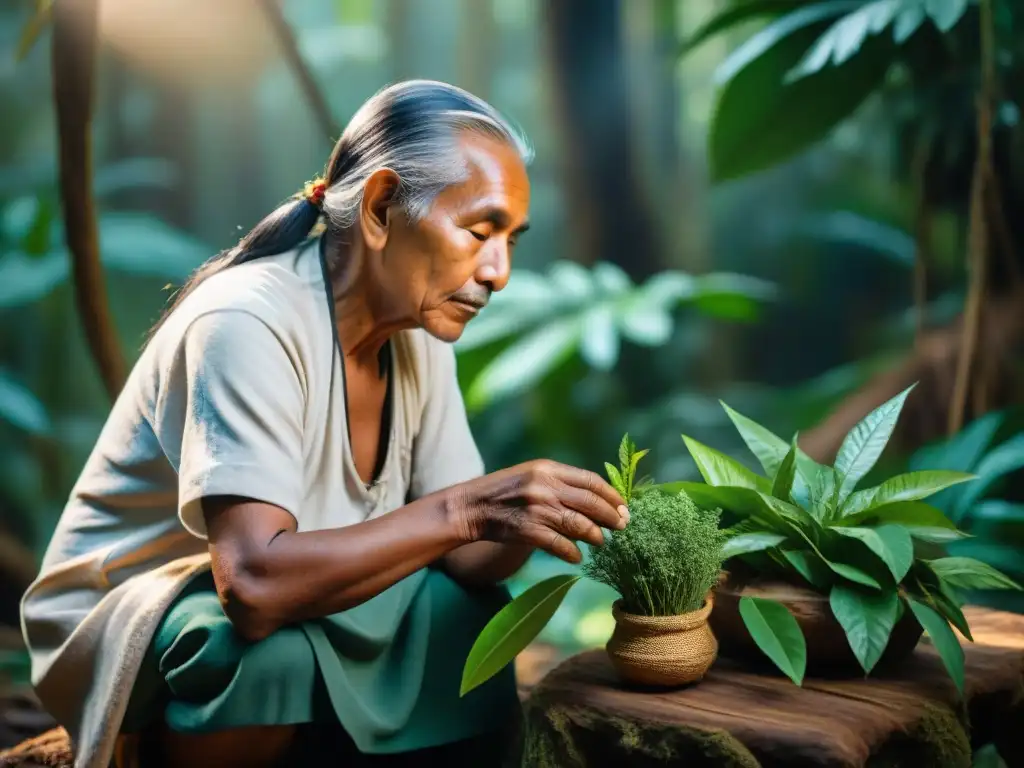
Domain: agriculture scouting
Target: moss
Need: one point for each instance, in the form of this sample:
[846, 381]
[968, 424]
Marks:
[560, 737]
[938, 738]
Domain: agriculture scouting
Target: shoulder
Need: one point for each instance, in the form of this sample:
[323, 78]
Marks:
[267, 302]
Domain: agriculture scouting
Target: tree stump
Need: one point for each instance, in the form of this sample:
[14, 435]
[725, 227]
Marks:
[582, 716]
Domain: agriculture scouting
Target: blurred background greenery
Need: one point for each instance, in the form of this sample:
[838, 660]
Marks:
[781, 204]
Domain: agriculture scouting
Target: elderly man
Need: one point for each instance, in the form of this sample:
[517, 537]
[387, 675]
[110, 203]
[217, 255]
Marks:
[284, 535]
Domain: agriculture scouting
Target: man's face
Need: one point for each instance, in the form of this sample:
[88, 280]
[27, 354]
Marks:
[445, 266]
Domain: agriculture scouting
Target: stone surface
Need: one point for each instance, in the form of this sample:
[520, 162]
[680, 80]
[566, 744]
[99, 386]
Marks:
[582, 715]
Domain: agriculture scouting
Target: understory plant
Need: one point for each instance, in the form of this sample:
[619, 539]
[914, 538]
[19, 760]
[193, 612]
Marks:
[663, 563]
[874, 552]
[666, 560]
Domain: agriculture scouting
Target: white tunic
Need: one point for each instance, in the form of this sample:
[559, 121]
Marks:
[240, 393]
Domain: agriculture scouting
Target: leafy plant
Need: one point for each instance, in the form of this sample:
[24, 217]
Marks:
[992, 448]
[809, 68]
[875, 552]
[663, 563]
[541, 320]
[623, 477]
[666, 560]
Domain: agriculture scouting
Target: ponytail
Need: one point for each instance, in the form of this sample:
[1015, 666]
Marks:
[286, 228]
[410, 127]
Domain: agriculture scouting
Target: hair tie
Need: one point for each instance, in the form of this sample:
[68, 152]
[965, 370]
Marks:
[314, 191]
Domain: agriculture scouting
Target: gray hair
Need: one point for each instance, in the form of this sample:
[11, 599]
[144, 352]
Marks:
[412, 128]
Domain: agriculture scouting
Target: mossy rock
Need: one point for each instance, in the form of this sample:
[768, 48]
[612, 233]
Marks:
[582, 715]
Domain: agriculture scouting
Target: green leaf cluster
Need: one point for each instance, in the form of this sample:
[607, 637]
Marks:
[873, 551]
[540, 321]
[623, 478]
[806, 70]
[666, 560]
[992, 448]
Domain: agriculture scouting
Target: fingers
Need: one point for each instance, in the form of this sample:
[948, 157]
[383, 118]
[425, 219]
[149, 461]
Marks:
[590, 504]
[589, 481]
[551, 541]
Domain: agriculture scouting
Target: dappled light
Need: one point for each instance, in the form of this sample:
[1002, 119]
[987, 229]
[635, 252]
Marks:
[683, 426]
[190, 43]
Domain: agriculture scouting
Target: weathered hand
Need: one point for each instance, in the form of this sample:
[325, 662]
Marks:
[541, 503]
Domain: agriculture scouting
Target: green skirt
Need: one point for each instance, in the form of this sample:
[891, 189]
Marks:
[388, 671]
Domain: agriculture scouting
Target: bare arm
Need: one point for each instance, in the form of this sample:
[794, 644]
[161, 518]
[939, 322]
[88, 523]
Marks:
[484, 563]
[268, 575]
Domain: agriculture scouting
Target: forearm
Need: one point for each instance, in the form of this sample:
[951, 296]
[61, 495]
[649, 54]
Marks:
[300, 576]
[484, 563]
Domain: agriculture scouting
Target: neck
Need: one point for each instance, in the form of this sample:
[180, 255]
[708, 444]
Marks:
[365, 319]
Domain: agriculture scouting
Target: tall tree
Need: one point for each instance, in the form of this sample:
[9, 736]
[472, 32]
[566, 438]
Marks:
[592, 106]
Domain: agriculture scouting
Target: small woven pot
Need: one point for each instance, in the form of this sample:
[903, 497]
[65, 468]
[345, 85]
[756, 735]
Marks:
[663, 651]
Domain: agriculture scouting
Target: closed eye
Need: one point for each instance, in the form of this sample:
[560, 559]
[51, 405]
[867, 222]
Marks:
[478, 236]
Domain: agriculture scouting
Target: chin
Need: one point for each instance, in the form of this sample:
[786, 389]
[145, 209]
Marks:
[445, 330]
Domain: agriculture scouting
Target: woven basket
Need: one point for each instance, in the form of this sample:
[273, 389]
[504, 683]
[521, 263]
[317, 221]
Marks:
[662, 651]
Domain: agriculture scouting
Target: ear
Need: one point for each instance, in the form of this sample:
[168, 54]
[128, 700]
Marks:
[379, 193]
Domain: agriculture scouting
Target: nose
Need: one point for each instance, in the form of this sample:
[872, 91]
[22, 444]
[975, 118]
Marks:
[495, 265]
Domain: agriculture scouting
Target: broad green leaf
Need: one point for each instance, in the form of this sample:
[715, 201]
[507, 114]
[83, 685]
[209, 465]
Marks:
[968, 573]
[782, 485]
[718, 469]
[20, 407]
[907, 513]
[788, 511]
[856, 575]
[524, 363]
[922, 521]
[999, 462]
[599, 338]
[610, 279]
[575, 280]
[777, 634]
[170, 252]
[945, 602]
[512, 629]
[25, 280]
[948, 647]
[892, 544]
[945, 13]
[774, 515]
[867, 618]
[962, 451]
[767, 447]
[935, 535]
[760, 120]
[745, 543]
[865, 443]
[811, 567]
[648, 326]
[998, 511]
[822, 492]
[762, 42]
[846, 36]
[908, 21]
[910, 486]
[735, 15]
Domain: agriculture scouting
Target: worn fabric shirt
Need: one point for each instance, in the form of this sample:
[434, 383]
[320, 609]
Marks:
[240, 392]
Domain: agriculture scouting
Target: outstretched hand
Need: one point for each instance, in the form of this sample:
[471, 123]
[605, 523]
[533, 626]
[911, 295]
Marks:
[543, 504]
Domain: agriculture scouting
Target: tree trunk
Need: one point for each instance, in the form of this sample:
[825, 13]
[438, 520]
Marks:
[592, 106]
